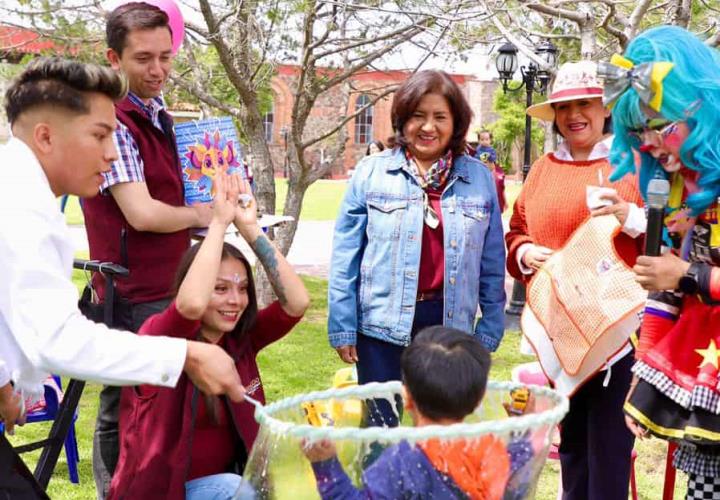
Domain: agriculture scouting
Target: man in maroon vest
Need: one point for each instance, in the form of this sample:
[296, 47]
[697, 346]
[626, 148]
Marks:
[140, 219]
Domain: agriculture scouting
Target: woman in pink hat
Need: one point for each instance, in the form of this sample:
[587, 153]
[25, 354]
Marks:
[595, 447]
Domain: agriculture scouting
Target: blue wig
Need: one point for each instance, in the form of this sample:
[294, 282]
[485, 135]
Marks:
[691, 92]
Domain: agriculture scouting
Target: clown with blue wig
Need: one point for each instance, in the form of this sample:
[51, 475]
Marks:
[665, 98]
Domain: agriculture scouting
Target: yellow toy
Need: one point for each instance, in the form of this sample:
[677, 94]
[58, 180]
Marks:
[349, 411]
[336, 412]
[317, 415]
[519, 401]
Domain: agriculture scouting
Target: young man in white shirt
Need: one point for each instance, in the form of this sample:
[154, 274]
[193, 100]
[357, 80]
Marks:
[62, 118]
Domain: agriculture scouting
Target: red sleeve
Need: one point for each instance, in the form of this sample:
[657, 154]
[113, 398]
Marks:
[715, 283]
[652, 329]
[171, 324]
[272, 324]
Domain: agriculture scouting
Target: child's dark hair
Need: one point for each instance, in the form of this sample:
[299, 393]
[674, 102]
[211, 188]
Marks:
[247, 320]
[377, 144]
[445, 371]
[485, 131]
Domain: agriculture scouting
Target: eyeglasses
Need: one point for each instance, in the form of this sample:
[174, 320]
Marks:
[658, 129]
[655, 129]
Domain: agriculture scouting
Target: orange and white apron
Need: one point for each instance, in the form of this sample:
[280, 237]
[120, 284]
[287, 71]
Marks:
[582, 306]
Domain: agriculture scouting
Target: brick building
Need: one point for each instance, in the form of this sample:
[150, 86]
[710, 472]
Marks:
[15, 43]
[371, 124]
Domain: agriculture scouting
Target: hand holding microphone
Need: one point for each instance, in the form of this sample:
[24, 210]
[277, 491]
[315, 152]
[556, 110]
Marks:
[654, 271]
[658, 192]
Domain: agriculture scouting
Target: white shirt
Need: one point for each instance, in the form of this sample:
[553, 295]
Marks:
[41, 329]
[600, 150]
[4, 374]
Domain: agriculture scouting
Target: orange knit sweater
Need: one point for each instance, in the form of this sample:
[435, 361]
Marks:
[552, 205]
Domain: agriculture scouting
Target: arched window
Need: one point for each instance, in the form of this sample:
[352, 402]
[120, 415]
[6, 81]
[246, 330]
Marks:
[268, 120]
[363, 121]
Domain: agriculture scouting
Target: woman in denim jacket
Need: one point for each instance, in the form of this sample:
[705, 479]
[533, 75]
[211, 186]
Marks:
[418, 240]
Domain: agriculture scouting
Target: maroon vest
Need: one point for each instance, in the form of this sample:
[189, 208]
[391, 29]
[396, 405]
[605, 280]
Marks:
[152, 258]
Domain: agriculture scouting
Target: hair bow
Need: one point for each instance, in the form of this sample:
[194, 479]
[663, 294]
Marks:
[646, 78]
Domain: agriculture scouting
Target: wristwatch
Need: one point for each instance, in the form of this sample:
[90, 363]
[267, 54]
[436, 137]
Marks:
[689, 282]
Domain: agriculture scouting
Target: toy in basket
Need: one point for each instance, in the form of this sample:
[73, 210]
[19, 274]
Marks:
[510, 450]
[345, 413]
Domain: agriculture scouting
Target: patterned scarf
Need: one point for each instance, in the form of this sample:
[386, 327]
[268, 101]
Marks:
[434, 178]
[436, 175]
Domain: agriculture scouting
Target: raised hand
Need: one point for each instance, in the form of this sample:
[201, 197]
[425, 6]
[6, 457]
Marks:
[246, 211]
[227, 188]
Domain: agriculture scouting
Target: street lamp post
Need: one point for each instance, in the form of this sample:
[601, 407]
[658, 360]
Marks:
[534, 79]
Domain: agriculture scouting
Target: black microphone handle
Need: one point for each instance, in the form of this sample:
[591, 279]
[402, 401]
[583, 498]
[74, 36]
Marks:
[653, 236]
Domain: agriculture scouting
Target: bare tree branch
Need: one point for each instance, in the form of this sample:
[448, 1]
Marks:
[195, 89]
[522, 47]
[641, 8]
[554, 36]
[570, 15]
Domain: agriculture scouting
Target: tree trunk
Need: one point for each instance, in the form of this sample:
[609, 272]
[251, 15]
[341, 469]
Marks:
[587, 40]
[293, 205]
[550, 143]
[680, 12]
[262, 164]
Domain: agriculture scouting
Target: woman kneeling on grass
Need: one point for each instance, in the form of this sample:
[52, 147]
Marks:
[177, 443]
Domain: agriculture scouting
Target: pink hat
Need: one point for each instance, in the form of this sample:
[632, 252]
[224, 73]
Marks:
[573, 81]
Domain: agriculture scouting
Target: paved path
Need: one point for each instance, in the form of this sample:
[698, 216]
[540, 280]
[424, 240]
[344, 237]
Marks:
[309, 254]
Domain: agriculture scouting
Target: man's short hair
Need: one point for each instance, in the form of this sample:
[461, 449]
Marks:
[130, 17]
[445, 371]
[63, 83]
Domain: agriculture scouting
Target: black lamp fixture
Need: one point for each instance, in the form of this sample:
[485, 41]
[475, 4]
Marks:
[535, 78]
[506, 63]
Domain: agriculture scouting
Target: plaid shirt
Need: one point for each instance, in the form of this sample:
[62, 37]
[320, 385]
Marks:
[129, 166]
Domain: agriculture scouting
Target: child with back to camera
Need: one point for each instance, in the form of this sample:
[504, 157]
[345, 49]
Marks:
[444, 373]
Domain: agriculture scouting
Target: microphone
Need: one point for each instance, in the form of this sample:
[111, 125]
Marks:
[658, 192]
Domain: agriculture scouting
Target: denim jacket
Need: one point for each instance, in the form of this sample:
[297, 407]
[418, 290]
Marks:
[373, 282]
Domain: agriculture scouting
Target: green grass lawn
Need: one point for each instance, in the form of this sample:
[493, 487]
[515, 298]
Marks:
[302, 362]
[321, 202]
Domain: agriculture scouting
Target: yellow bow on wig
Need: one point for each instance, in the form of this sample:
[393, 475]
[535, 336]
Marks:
[646, 78]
